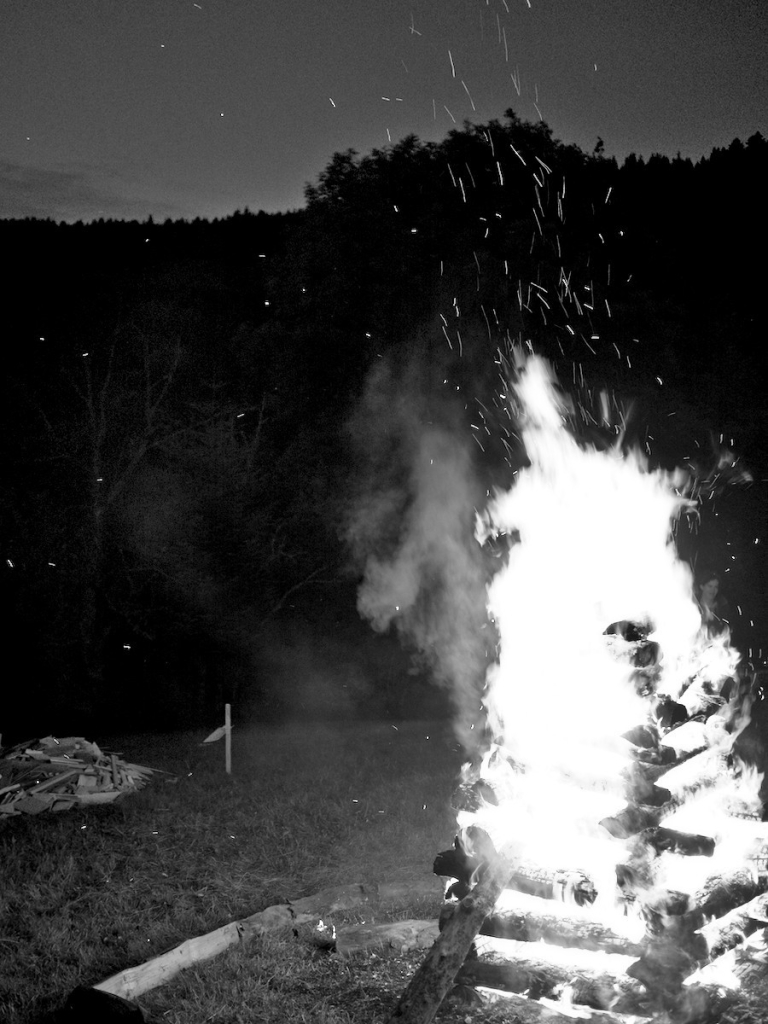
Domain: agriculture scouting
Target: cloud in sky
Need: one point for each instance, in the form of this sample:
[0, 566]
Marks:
[71, 192]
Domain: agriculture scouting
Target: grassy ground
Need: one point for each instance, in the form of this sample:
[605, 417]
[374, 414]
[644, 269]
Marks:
[88, 893]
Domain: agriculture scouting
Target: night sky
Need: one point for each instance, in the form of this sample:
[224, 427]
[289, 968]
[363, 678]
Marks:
[174, 108]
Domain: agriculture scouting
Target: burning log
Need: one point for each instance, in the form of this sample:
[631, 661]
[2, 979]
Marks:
[528, 1011]
[672, 947]
[687, 844]
[662, 969]
[472, 851]
[670, 919]
[742, 968]
[543, 971]
[669, 713]
[631, 820]
[723, 893]
[562, 885]
[734, 927]
[639, 789]
[688, 739]
[532, 919]
[661, 755]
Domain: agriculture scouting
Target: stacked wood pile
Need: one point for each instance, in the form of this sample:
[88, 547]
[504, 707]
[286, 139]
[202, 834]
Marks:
[57, 774]
[542, 937]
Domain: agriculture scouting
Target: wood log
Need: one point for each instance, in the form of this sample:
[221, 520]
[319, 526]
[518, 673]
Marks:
[631, 820]
[595, 980]
[732, 928]
[287, 918]
[532, 919]
[657, 756]
[662, 968]
[566, 885]
[688, 739]
[743, 968]
[467, 864]
[522, 1010]
[688, 844]
[692, 774]
[421, 1000]
[725, 892]
[670, 919]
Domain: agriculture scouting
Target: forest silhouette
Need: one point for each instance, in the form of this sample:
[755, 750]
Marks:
[207, 426]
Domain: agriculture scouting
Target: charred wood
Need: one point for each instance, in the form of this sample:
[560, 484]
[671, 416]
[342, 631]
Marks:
[744, 968]
[662, 968]
[733, 928]
[670, 918]
[646, 736]
[688, 739]
[564, 885]
[726, 892]
[661, 755]
[467, 860]
[687, 844]
[668, 713]
[632, 820]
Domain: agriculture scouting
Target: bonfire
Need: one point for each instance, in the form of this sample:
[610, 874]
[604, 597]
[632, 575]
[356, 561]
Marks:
[610, 849]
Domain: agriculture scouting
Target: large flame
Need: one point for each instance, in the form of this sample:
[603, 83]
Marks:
[591, 545]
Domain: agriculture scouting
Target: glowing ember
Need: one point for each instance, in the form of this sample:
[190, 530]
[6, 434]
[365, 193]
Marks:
[597, 623]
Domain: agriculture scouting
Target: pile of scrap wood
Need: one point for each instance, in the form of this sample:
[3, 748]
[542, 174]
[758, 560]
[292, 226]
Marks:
[57, 774]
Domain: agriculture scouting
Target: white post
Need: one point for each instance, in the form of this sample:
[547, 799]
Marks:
[228, 738]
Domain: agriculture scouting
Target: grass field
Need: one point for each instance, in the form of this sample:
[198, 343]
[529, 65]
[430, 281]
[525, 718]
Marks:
[87, 893]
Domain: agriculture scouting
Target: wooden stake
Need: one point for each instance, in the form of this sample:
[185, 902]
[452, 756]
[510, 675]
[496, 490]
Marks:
[228, 738]
[430, 984]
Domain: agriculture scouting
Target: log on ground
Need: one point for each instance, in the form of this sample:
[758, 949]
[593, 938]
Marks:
[284, 918]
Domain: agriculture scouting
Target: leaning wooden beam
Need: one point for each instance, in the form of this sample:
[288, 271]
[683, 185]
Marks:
[287, 917]
[430, 984]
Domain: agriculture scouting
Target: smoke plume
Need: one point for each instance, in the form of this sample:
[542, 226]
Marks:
[411, 531]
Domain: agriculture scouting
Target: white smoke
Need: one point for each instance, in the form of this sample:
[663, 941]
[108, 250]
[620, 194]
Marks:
[411, 532]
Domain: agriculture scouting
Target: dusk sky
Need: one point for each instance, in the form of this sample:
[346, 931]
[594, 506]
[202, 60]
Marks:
[174, 108]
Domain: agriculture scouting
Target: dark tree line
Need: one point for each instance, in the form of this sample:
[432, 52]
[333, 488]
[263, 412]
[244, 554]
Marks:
[175, 457]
